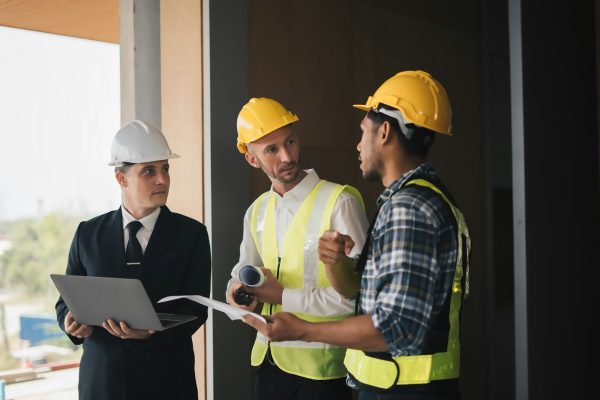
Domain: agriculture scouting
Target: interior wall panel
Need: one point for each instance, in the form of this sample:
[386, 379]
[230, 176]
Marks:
[320, 57]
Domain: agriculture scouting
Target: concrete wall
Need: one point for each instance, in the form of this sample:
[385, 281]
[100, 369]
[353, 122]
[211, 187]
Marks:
[227, 197]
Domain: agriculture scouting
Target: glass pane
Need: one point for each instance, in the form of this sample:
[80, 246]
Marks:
[59, 109]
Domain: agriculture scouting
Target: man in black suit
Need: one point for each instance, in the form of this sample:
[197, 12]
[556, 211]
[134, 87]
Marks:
[168, 252]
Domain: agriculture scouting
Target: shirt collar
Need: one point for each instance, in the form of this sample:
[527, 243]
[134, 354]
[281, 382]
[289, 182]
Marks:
[148, 221]
[303, 188]
[423, 170]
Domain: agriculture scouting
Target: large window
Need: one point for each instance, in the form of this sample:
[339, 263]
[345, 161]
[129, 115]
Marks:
[59, 109]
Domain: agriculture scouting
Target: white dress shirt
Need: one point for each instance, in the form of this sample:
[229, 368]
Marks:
[348, 217]
[143, 235]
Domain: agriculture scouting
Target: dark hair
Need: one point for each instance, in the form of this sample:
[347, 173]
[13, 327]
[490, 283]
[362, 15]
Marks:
[420, 141]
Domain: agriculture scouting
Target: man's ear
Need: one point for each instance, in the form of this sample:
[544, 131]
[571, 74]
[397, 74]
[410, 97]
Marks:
[385, 133]
[121, 179]
[252, 159]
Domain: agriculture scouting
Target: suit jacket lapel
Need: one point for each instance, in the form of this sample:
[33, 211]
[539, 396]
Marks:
[157, 245]
[113, 260]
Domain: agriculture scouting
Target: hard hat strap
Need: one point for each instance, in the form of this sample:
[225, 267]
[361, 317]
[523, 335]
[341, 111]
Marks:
[123, 164]
[407, 131]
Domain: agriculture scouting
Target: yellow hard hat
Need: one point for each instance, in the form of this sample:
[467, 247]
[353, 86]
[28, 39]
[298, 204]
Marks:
[259, 117]
[421, 99]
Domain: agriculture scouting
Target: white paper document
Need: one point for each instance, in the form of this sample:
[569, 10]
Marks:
[231, 311]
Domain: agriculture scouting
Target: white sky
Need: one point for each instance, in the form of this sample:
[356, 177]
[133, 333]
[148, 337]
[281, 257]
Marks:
[59, 109]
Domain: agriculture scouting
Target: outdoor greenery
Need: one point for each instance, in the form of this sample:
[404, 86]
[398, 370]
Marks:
[39, 247]
[5, 227]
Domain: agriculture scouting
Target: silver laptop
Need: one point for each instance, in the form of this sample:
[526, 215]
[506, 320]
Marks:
[92, 300]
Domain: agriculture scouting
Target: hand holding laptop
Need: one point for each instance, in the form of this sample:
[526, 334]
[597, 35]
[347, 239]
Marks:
[75, 328]
[125, 332]
[120, 330]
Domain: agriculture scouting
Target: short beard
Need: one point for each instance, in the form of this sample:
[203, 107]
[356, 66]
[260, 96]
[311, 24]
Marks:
[279, 178]
[293, 178]
[374, 174]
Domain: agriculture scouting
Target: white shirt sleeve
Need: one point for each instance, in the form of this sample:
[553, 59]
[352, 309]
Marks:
[348, 217]
[248, 253]
[324, 302]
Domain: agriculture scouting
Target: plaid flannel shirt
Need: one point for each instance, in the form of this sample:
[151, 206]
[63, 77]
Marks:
[411, 262]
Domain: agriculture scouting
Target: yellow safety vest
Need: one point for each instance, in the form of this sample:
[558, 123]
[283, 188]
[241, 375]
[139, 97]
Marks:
[298, 267]
[421, 369]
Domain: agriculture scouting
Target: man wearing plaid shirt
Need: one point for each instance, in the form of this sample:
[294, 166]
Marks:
[412, 276]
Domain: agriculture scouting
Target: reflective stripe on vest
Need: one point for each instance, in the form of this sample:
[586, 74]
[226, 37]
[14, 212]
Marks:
[422, 369]
[298, 267]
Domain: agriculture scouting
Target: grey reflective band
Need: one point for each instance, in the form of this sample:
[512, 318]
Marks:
[261, 209]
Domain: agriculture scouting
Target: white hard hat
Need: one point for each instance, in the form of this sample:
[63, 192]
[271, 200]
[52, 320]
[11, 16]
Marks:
[139, 142]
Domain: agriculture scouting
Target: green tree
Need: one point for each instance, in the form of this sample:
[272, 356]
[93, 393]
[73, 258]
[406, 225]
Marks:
[39, 247]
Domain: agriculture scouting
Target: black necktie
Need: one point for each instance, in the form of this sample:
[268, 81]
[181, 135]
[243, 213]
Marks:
[133, 252]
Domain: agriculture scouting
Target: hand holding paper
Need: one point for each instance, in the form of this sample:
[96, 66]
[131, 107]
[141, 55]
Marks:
[232, 312]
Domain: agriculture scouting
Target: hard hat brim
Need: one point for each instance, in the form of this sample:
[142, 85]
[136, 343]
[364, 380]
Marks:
[243, 146]
[141, 160]
[363, 107]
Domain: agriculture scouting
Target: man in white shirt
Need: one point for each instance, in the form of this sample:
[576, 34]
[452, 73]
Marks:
[281, 231]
